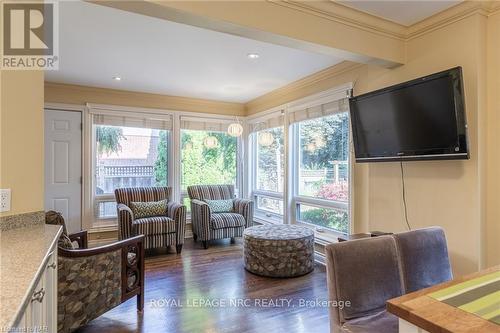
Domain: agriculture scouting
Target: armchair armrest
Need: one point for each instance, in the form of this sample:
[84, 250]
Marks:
[245, 208]
[102, 249]
[131, 271]
[200, 204]
[200, 219]
[124, 209]
[174, 209]
[177, 212]
[81, 238]
[125, 220]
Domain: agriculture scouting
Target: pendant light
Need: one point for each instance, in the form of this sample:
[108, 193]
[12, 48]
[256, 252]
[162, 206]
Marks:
[265, 139]
[235, 130]
[210, 142]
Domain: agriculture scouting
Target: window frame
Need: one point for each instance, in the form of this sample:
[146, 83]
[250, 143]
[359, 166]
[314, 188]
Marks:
[96, 199]
[298, 199]
[238, 181]
[262, 214]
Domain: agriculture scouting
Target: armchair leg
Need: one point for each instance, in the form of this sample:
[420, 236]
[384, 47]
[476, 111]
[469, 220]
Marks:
[233, 240]
[140, 301]
[178, 248]
[205, 244]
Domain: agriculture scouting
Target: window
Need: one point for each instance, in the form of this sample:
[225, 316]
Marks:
[270, 160]
[336, 219]
[207, 158]
[128, 152]
[322, 174]
[269, 174]
[127, 157]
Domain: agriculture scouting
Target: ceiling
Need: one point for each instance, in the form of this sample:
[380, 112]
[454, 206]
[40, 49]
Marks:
[98, 43]
[403, 12]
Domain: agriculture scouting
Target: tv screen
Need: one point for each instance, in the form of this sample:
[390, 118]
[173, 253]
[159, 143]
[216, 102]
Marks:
[415, 120]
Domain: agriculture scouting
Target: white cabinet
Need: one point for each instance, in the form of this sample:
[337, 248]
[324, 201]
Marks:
[40, 312]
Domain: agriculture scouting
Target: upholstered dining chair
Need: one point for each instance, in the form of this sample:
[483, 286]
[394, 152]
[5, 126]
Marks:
[161, 220]
[216, 214]
[366, 273]
[424, 258]
[94, 281]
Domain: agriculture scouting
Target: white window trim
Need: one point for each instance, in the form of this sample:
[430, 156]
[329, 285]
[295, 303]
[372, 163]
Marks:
[261, 214]
[298, 199]
[174, 179]
[290, 193]
[114, 110]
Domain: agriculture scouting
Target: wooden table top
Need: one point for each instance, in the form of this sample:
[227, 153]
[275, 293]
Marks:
[437, 317]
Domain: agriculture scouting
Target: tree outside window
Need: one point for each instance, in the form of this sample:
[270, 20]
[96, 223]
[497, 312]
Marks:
[201, 165]
[324, 168]
[127, 157]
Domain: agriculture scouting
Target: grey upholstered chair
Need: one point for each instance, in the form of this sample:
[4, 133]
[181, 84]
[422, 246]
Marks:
[208, 225]
[366, 273]
[159, 231]
[424, 258]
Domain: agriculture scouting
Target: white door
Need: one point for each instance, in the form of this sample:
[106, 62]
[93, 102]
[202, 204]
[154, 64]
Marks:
[63, 167]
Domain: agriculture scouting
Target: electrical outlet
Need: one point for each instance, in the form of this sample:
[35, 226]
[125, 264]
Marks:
[4, 200]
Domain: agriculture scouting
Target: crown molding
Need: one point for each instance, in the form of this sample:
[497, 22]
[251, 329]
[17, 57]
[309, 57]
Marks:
[295, 88]
[494, 8]
[454, 14]
[342, 14]
[80, 95]
[333, 11]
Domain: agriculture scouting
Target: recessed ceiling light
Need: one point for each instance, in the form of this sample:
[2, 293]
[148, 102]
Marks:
[117, 78]
[253, 55]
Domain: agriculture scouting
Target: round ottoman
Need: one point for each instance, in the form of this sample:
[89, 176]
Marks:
[278, 250]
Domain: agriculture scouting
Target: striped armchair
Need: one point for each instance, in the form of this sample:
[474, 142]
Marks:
[158, 231]
[208, 225]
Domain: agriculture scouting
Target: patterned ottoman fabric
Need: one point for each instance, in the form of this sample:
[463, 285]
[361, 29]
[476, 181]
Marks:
[279, 250]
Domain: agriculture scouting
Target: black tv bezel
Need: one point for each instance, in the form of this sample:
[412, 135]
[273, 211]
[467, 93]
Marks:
[441, 154]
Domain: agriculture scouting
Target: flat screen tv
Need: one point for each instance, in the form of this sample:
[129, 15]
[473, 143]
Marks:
[422, 119]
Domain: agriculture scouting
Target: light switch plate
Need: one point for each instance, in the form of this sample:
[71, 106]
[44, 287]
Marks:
[4, 200]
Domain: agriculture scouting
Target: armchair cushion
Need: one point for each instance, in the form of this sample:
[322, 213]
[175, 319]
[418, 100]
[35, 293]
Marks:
[220, 206]
[226, 220]
[157, 225]
[148, 209]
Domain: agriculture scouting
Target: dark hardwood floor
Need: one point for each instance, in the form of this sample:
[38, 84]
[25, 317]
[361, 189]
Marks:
[179, 287]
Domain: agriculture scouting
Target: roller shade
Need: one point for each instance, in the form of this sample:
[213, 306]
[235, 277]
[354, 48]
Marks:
[205, 124]
[271, 122]
[318, 111]
[141, 120]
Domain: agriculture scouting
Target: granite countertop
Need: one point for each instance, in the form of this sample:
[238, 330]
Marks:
[23, 254]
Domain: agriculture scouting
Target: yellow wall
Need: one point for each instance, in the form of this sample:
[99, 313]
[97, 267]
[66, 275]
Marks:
[74, 94]
[21, 140]
[444, 193]
[492, 228]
